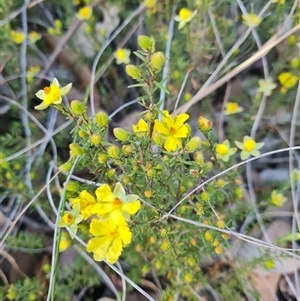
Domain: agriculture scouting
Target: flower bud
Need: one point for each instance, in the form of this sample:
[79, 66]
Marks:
[221, 183]
[157, 60]
[127, 149]
[126, 180]
[3, 164]
[82, 134]
[158, 264]
[193, 144]
[95, 139]
[157, 138]
[208, 236]
[194, 173]
[204, 124]
[151, 173]
[121, 134]
[182, 189]
[113, 151]
[66, 167]
[188, 277]
[101, 119]
[148, 193]
[132, 71]
[111, 173]
[163, 232]
[204, 196]
[165, 245]
[198, 157]
[220, 224]
[77, 107]
[102, 158]
[149, 116]
[145, 42]
[75, 150]
[71, 186]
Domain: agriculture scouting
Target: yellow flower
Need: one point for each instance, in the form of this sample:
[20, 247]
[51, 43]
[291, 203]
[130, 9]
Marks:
[84, 13]
[269, 264]
[152, 5]
[122, 56]
[248, 147]
[109, 241]
[17, 36]
[232, 108]
[71, 219]
[115, 205]
[277, 199]
[56, 30]
[224, 151]
[65, 242]
[185, 16]
[52, 94]
[141, 128]
[266, 86]
[251, 20]
[173, 129]
[86, 202]
[31, 72]
[295, 175]
[33, 37]
[287, 80]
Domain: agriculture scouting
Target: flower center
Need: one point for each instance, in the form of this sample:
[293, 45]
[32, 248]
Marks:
[68, 219]
[117, 203]
[249, 145]
[172, 130]
[85, 12]
[114, 233]
[52, 94]
[232, 107]
[184, 14]
[47, 90]
[222, 149]
[121, 53]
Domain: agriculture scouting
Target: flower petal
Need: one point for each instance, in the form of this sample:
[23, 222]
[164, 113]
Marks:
[131, 208]
[66, 89]
[172, 143]
[102, 191]
[40, 94]
[119, 190]
[125, 234]
[160, 127]
[244, 155]
[180, 120]
[41, 106]
[58, 102]
[240, 145]
[129, 198]
[55, 82]
[116, 217]
[181, 132]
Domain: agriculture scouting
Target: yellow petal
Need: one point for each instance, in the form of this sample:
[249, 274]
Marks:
[131, 208]
[41, 106]
[180, 120]
[172, 143]
[160, 127]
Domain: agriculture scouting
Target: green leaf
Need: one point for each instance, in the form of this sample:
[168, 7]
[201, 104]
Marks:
[159, 85]
[137, 85]
[140, 56]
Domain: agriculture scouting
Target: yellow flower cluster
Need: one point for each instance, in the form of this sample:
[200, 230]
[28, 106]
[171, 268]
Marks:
[169, 130]
[109, 212]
